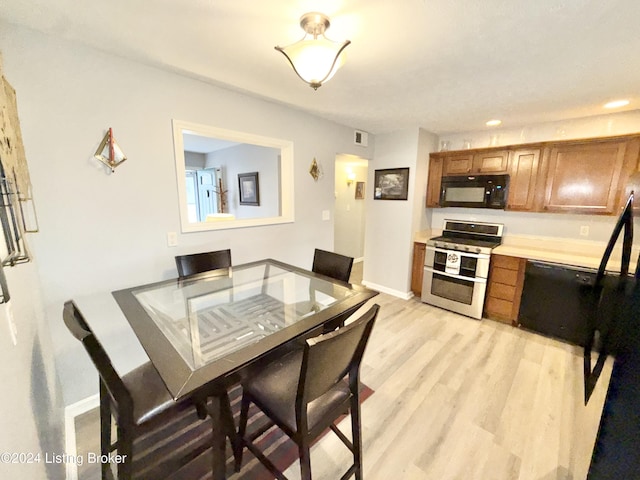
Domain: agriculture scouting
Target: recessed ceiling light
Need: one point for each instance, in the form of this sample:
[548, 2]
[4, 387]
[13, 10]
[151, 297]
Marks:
[493, 123]
[616, 104]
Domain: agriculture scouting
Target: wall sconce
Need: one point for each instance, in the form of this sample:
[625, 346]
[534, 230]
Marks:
[350, 178]
[315, 58]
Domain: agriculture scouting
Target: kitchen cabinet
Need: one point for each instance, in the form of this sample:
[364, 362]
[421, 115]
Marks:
[470, 162]
[504, 290]
[573, 176]
[457, 163]
[493, 161]
[585, 177]
[417, 269]
[523, 174]
[434, 181]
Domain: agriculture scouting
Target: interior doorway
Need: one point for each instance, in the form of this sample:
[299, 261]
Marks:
[350, 204]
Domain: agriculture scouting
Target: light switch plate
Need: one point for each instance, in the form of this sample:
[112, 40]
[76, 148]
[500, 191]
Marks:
[172, 239]
[326, 215]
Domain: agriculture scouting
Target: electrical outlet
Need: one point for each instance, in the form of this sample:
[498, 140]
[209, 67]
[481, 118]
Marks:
[172, 239]
[584, 231]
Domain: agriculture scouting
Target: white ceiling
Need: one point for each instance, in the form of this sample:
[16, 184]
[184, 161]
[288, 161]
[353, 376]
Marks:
[444, 65]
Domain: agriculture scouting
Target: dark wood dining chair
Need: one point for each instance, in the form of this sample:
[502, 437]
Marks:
[194, 263]
[307, 390]
[156, 436]
[336, 266]
[332, 265]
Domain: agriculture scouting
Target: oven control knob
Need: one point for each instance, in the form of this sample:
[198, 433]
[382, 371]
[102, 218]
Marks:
[466, 248]
[477, 249]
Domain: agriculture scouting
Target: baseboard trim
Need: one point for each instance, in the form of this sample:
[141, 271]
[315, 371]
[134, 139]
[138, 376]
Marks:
[388, 291]
[358, 260]
[70, 414]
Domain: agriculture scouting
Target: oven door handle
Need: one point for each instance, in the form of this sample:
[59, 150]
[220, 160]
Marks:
[460, 277]
[460, 252]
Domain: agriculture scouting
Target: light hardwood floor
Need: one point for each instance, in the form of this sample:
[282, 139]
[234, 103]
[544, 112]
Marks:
[457, 398]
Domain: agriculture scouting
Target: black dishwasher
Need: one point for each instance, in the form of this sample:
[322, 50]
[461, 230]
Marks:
[556, 300]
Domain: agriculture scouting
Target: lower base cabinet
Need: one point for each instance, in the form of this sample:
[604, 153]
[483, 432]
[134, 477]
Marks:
[504, 290]
[417, 269]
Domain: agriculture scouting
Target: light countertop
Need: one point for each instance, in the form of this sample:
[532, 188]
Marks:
[581, 253]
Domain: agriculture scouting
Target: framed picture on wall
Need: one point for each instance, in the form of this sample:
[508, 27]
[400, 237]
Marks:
[359, 190]
[249, 188]
[391, 184]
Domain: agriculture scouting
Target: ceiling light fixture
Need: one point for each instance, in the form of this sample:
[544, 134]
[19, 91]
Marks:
[616, 104]
[493, 123]
[315, 58]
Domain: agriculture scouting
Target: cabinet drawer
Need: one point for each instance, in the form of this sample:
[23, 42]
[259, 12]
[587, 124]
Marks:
[502, 275]
[500, 290]
[504, 261]
[499, 308]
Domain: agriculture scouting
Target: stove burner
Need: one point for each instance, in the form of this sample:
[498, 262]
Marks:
[467, 236]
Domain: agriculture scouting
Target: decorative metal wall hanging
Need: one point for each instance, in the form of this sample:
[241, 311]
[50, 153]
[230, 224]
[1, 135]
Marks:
[109, 152]
[314, 170]
[11, 227]
[17, 210]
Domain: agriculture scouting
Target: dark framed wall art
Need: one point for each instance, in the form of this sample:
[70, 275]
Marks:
[249, 188]
[391, 184]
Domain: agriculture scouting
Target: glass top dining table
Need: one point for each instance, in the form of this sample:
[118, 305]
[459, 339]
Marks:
[204, 328]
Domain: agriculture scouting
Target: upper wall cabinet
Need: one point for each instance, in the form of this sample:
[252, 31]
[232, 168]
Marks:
[523, 175]
[457, 163]
[470, 162]
[585, 177]
[434, 182]
[579, 176]
[494, 161]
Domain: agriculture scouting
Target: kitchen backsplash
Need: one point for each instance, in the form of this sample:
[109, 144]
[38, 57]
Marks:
[563, 226]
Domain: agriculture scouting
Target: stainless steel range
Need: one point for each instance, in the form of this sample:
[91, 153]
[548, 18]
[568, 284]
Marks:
[457, 266]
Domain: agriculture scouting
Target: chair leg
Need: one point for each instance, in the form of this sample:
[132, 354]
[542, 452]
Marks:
[305, 459]
[242, 429]
[105, 429]
[356, 435]
[125, 448]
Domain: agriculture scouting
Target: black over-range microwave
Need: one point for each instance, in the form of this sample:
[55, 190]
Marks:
[475, 191]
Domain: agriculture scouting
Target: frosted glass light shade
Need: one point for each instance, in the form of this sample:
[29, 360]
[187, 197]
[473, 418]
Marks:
[315, 58]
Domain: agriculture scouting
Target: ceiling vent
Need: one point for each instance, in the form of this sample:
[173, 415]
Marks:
[360, 138]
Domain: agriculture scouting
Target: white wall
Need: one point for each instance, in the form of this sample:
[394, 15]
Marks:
[599, 126]
[247, 158]
[427, 143]
[389, 232]
[31, 401]
[350, 219]
[103, 231]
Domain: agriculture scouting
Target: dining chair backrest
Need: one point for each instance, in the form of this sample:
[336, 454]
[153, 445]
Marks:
[332, 265]
[114, 385]
[328, 358]
[194, 263]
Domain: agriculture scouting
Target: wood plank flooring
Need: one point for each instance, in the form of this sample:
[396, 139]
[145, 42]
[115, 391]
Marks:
[457, 398]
